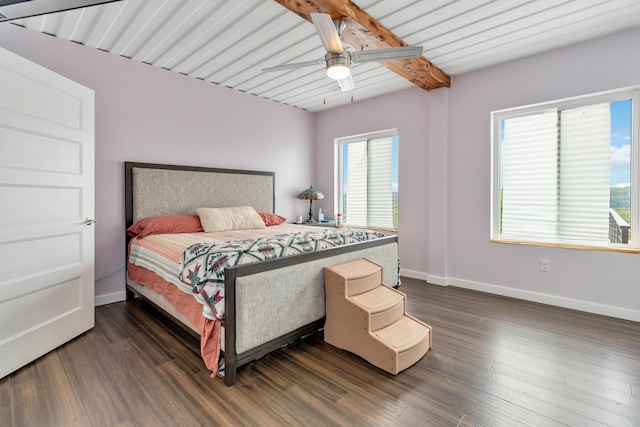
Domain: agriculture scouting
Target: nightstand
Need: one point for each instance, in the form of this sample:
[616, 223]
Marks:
[319, 224]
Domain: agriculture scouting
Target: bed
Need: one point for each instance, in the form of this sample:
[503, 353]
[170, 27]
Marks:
[268, 303]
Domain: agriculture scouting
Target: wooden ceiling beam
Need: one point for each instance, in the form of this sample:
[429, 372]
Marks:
[364, 32]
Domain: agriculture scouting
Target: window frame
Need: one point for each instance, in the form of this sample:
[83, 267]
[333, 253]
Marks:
[497, 116]
[339, 166]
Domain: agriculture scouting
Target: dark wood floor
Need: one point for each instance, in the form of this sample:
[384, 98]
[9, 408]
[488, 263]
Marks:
[494, 361]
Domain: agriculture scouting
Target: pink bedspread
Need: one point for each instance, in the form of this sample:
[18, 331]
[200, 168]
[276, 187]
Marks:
[154, 262]
[185, 304]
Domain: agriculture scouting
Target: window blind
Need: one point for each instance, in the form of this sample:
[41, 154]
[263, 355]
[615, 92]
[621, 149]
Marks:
[585, 159]
[369, 170]
[556, 166]
[530, 176]
[356, 206]
[565, 172]
[379, 176]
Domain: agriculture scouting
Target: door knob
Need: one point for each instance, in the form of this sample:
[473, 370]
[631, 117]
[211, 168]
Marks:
[89, 221]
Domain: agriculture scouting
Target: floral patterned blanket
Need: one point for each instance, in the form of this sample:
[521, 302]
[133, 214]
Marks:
[202, 264]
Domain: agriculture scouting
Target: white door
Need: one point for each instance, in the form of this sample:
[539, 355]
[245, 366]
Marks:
[46, 193]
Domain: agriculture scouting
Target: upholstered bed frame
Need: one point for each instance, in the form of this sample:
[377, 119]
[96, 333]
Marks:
[268, 304]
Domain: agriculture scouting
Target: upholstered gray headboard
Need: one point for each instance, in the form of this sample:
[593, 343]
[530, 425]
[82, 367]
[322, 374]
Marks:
[154, 189]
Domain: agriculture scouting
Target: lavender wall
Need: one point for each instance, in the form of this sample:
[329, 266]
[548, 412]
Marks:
[152, 115]
[587, 278]
[444, 183]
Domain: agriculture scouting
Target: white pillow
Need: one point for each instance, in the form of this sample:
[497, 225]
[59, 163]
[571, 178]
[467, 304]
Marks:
[235, 218]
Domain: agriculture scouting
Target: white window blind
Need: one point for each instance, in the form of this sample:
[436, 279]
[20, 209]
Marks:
[560, 173]
[585, 159]
[368, 188]
[530, 176]
[556, 175]
[379, 197]
[357, 195]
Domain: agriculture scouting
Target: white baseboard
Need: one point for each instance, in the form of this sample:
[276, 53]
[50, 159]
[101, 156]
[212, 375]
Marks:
[109, 298]
[418, 275]
[411, 274]
[437, 280]
[589, 307]
[573, 304]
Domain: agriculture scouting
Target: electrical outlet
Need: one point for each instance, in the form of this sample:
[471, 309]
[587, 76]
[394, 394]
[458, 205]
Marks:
[544, 265]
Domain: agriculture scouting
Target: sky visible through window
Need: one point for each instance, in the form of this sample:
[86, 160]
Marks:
[621, 143]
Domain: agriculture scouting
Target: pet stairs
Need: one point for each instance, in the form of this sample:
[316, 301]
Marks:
[368, 318]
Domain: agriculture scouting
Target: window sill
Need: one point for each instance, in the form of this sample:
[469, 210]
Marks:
[569, 246]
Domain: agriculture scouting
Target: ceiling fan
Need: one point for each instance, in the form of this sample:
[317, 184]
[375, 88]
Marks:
[19, 9]
[337, 60]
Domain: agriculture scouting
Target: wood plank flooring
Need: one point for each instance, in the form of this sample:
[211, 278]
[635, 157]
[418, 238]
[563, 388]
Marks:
[494, 361]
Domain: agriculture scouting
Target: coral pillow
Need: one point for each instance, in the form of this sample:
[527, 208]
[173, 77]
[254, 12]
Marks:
[167, 224]
[271, 218]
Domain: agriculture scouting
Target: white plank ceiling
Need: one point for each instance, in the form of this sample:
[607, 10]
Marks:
[228, 42]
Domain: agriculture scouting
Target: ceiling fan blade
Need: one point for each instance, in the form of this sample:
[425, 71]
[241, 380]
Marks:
[294, 65]
[327, 31]
[346, 84]
[19, 9]
[388, 54]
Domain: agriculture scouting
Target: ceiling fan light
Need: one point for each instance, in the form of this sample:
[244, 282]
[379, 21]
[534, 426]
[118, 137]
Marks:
[337, 66]
[338, 72]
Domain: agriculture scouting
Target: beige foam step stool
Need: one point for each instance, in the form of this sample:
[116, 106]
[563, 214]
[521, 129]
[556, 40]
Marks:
[368, 318]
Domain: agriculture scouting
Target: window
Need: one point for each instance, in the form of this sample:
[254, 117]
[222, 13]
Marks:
[367, 180]
[565, 172]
